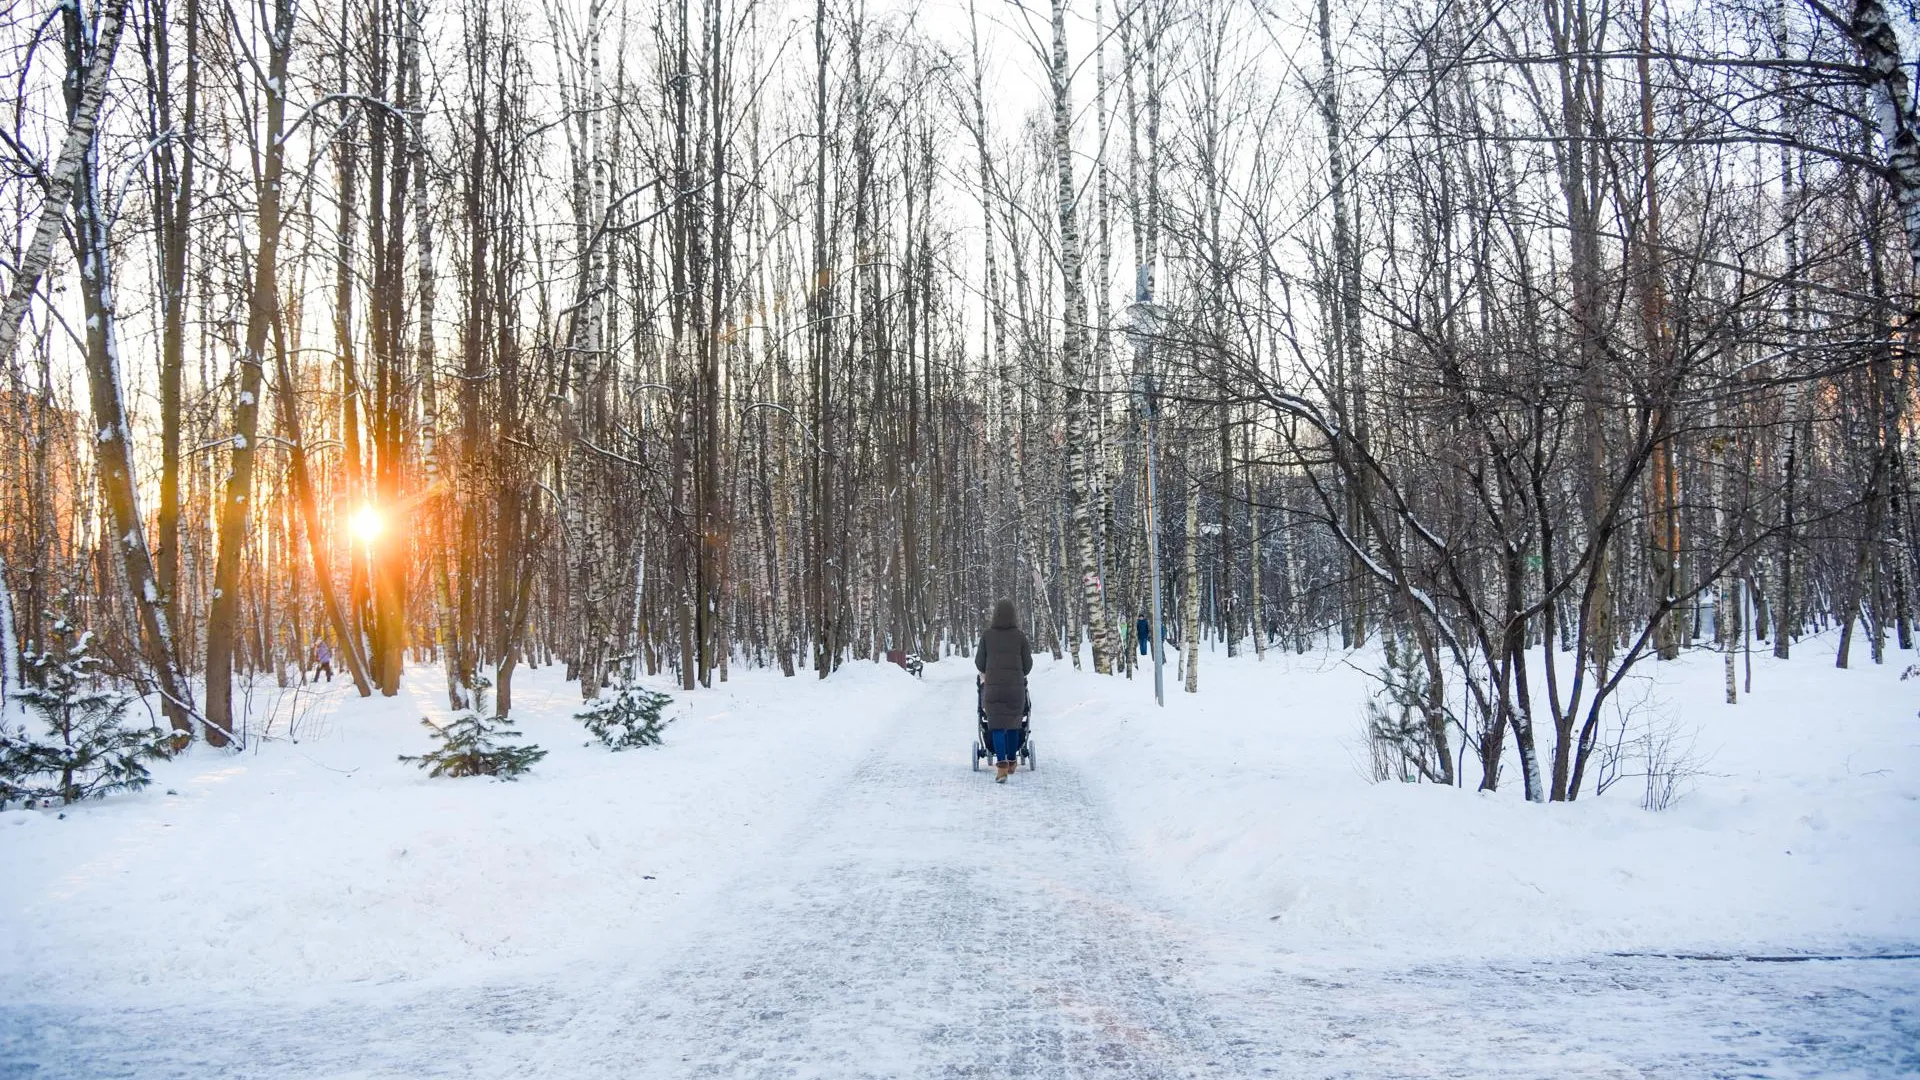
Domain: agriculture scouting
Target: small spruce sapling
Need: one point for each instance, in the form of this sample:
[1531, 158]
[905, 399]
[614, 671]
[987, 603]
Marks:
[469, 744]
[89, 750]
[1399, 735]
[629, 716]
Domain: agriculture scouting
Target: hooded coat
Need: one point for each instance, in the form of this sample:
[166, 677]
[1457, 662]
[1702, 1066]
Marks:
[1004, 658]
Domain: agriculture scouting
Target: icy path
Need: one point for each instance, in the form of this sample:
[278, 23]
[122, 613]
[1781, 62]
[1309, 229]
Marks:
[920, 921]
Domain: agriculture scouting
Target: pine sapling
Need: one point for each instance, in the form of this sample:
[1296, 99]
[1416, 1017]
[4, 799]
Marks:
[629, 716]
[89, 749]
[470, 746]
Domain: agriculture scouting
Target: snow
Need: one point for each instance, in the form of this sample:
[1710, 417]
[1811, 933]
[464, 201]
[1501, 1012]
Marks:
[325, 860]
[807, 879]
[1803, 833]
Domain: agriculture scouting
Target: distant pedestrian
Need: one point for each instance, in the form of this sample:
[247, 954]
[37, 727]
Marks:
[1142, 631]
[1004, 659]
[322, 661]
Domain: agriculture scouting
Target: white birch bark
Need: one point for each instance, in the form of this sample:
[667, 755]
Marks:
[1349, 352]
[113, 450]
[1727, 616]
[9, 639]
[582, 518]
[1190, 626]
[1258, 614]
[1886, 76]
[449, 637]
[74, 150]
[1080, 458]
[1785, 619]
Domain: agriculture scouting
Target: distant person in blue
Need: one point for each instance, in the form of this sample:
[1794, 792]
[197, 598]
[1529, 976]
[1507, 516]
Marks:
[1004, 660]
[1143, 630]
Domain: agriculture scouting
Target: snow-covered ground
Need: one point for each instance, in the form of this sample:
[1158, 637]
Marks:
[1247, 802]
[807, 880]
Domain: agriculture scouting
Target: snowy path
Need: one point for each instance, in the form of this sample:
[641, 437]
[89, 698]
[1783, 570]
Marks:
[920, 921]
[926, 921]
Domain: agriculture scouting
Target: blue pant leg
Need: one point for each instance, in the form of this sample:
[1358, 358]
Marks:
[1006, 743]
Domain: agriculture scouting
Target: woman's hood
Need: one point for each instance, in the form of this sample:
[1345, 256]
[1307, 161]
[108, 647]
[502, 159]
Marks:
[1003, 615]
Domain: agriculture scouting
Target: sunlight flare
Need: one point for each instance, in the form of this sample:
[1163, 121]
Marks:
[367, 524]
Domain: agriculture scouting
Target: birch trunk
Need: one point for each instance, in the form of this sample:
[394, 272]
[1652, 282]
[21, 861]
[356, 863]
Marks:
[76, 152]
[113, 447]
[1785, 614]
[822, 573]
[1258, 613]
[1190, 616]
[1080, 462]
[9, 640]
[713, 516]
[1898, 122]
[1892, 88]
[1348, 349]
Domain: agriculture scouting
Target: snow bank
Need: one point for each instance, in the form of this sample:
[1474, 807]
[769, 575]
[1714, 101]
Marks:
[326, 861]
[1248, 806]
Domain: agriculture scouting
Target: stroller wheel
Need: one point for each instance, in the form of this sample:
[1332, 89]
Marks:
[1027, 752]
[976, 757]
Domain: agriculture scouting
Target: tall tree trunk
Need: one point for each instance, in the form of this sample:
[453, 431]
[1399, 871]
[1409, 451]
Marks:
[1257, 616]
[1786, 615]
[713, 524]
[1892, 88]
[1080, 459]
[9, 640]
[1190, 587]
[262, 309]
[828, 573]
[1349, 348]
[174, 161]
[437, 510]
[346, 160]
[86, 89]
[1664, 514]
[113, 444]
[1887, 79]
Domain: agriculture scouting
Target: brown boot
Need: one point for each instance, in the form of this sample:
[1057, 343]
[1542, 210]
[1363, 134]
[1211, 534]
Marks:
[1001, 770]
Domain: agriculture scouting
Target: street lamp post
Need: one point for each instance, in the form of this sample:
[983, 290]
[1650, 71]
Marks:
[1141, 328]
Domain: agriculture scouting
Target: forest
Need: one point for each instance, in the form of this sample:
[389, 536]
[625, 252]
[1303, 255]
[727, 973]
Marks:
[1537, 343]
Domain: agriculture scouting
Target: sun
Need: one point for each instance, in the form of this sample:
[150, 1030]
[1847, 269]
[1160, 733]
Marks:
[367, 524]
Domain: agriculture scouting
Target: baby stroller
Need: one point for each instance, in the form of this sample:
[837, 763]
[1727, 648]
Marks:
[983, 746]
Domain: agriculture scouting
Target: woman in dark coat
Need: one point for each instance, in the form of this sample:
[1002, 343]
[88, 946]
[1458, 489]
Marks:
[1003, 659]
